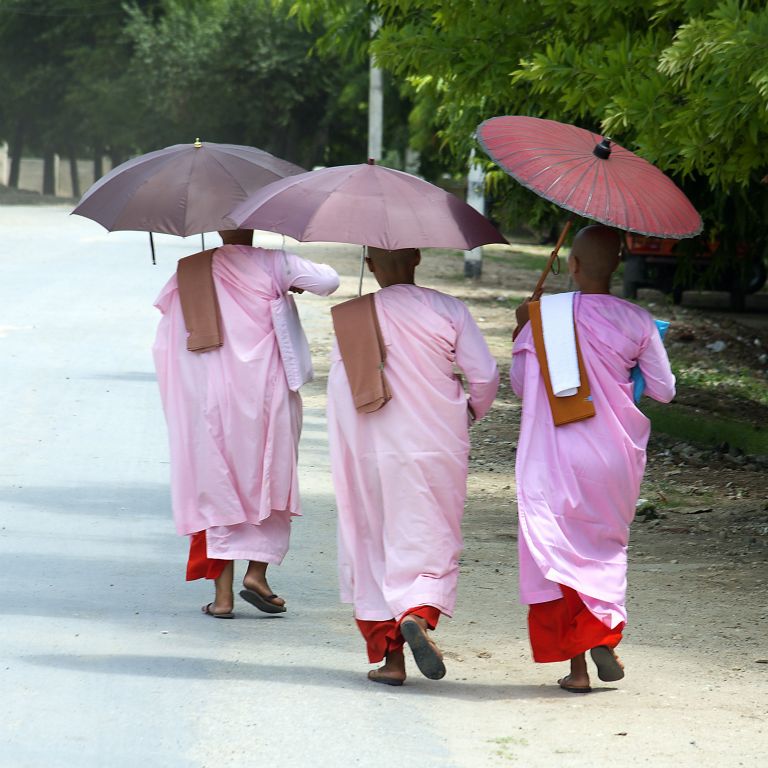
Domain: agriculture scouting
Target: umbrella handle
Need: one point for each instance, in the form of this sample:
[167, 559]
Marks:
[362, 269]
[552, 256]
[152, 246]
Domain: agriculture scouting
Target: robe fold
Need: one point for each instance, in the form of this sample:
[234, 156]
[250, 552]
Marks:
[577, 484]
[233, 423]
[400, 472]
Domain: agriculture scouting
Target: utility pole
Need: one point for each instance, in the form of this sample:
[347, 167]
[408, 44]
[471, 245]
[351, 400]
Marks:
[473, 260]
[375, 101]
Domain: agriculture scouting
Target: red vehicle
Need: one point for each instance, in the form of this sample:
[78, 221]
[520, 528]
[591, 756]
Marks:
[651, 262]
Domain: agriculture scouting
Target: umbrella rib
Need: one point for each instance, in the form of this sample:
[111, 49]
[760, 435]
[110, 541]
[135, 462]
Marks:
[333, 189]
[228, 172]
[577, 182]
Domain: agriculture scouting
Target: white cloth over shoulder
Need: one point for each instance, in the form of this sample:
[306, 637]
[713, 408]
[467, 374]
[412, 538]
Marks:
[560, 343]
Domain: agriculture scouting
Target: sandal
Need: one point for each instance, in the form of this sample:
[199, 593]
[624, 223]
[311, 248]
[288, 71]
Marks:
[206, 609]
[608, 667]
[425, 652]
[376, 677]
[261, 602]
[563, 683]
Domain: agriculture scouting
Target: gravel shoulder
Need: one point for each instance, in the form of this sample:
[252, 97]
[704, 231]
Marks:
[696, 648]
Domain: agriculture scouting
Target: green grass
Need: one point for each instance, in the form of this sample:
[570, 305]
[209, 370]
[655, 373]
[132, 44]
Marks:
[529, 258]
[740, 382]
[707, 431]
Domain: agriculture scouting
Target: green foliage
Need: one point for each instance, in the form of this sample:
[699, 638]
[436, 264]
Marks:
[238, 71]
[101, 76]
[682, 82]
[711, 431]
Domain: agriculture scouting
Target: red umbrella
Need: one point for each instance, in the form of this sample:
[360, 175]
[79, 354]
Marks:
[365, 204]
[182, 190]
[589, 175]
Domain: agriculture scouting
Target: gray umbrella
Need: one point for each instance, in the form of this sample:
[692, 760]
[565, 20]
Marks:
[181, 190]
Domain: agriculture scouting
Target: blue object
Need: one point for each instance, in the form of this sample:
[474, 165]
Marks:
[635, 375]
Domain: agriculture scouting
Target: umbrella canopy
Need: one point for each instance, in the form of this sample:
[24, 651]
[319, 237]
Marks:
[365, 204]
[589, 175]
[182, 190]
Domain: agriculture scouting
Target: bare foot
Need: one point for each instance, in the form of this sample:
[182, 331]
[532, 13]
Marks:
[578, 679]
[393, 671]
[225, 599]
[574, 685]
[255, 579]
[218, 612]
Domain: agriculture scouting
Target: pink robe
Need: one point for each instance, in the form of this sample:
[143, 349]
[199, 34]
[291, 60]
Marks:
[233, 424]
[400, 472]
[577, 484]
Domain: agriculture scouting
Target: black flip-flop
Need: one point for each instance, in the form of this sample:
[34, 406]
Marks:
[608, 668]
[573, 688]
[206, 609]
[424, 653]
[262, 603]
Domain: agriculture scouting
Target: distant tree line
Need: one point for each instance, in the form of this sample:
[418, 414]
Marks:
[89, 78]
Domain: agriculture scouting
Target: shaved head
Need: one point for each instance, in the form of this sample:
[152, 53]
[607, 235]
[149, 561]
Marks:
[392, 267]
[596, 249]
[388, 259]
[236, 236]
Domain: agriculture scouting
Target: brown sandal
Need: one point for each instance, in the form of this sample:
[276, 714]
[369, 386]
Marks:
[206, 609]
[609, 668]
[563, 683]
[375, 676]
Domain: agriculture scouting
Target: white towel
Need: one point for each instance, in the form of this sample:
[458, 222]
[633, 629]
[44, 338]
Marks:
[557, 324]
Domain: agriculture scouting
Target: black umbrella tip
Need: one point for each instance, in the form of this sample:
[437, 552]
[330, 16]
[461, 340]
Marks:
[603, 149]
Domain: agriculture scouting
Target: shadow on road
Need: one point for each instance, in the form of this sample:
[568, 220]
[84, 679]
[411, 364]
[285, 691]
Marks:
[148, 500]
[180, 667]
[125, 376]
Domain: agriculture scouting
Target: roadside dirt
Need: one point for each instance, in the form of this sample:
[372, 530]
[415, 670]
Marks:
[699, 545]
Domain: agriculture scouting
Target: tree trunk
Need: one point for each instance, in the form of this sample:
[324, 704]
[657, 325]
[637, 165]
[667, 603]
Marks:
[49, 172]
[17, 147]
[74, 173]
[98, 162]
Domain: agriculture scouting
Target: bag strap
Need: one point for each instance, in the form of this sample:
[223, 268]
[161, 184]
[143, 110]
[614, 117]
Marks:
[199, 303]
[363, 352]
[564, 409]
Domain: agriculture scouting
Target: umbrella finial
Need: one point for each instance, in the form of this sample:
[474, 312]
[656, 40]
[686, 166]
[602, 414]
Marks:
[198, 143]
[603, 149]
[371, 161]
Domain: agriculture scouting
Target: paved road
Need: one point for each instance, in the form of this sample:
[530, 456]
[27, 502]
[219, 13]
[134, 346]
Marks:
[105, 659]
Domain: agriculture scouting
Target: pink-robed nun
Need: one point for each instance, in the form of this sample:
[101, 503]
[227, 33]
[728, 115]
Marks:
[400, 472]
[233, 423]
[577, 484]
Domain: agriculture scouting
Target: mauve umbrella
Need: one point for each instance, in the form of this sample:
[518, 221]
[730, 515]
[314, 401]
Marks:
[365, 204]
[589, 175]
[184, 189]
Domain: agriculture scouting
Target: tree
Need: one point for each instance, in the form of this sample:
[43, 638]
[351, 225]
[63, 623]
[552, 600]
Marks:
[238, 71]
[682, 82]
[61, 73]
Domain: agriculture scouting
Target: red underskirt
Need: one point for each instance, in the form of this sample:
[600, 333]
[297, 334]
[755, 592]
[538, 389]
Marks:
[564, 628]
[383, 637]
[199, 566]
